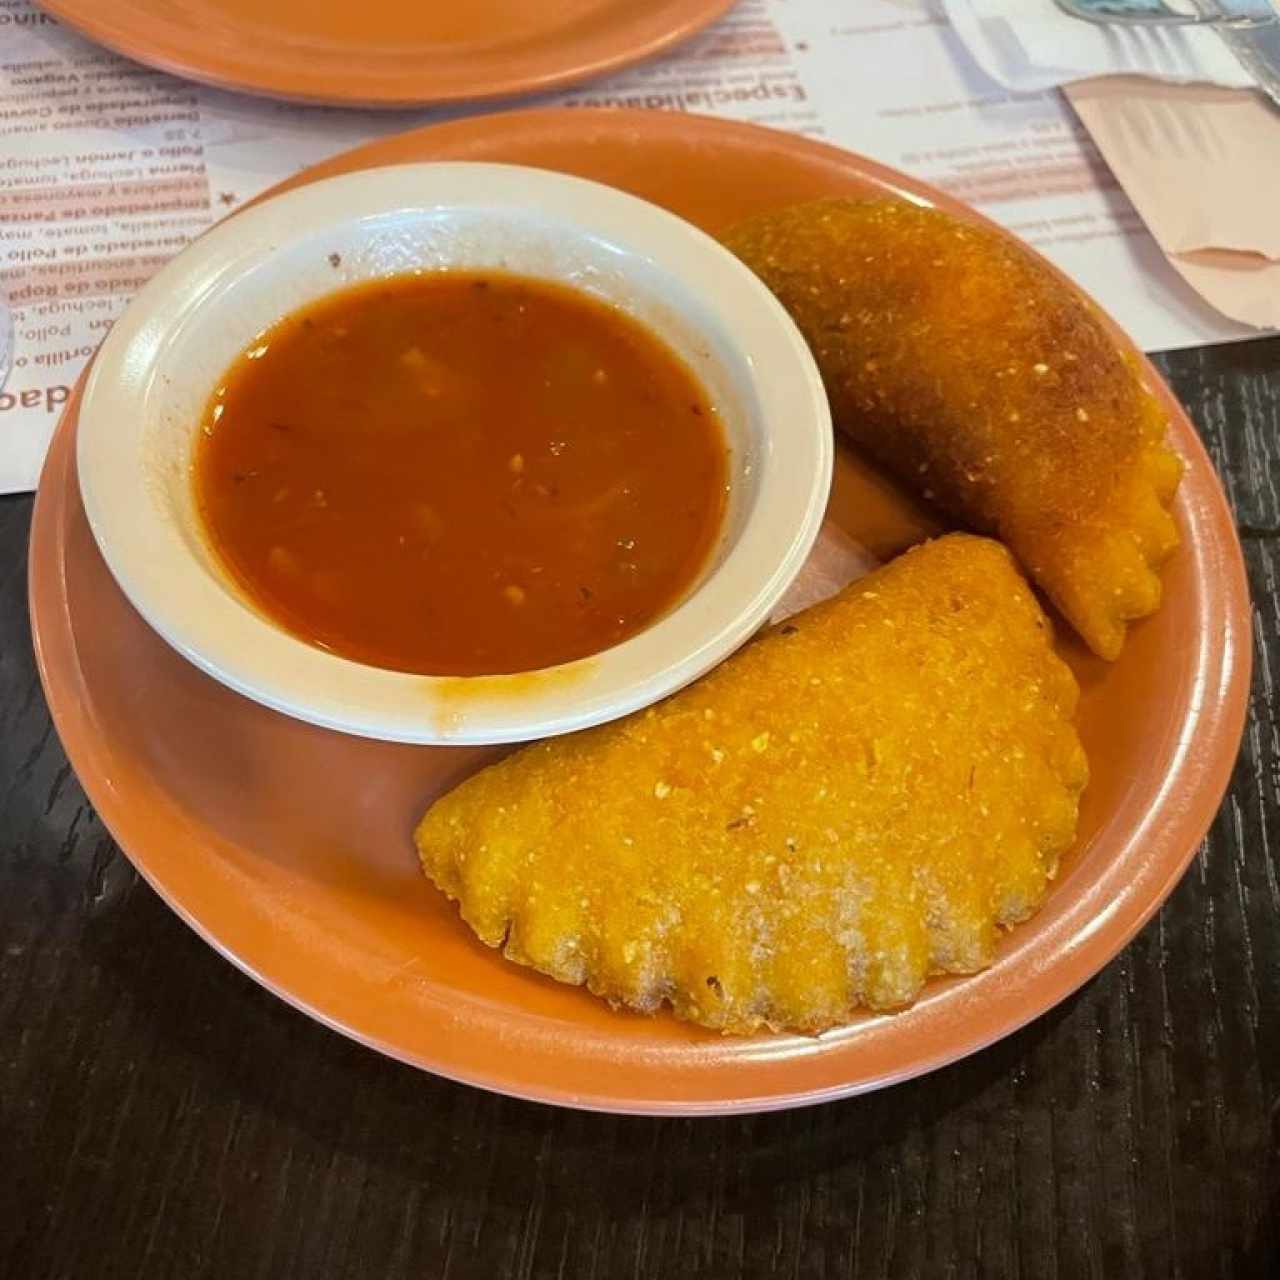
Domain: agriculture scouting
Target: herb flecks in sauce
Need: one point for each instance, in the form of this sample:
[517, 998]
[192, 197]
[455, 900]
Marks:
[456, 474]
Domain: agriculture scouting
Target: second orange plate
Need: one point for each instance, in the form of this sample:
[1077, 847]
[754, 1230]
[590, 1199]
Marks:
[388, 53]
[288, 847]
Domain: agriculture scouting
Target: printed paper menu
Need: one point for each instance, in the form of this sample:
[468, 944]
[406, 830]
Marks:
[108, 168]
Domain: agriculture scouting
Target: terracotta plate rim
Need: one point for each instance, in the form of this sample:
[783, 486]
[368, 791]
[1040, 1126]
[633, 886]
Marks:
[1066, 954]
[195, 60]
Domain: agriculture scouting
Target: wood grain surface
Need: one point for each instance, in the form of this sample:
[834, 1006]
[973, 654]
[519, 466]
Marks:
[160, 1115]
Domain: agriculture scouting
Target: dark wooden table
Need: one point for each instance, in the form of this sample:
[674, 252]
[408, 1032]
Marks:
[160, 1115]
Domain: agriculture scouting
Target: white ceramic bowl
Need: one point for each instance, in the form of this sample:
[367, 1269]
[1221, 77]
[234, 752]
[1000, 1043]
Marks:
[159, 364]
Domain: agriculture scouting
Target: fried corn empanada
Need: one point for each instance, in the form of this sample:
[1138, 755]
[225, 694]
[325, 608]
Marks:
[983, 381]
[861, 797]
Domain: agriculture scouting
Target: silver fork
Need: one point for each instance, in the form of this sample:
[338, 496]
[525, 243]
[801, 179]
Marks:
[1237, 14]
[1250, 28]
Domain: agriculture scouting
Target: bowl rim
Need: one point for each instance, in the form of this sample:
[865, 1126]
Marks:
[205, 621]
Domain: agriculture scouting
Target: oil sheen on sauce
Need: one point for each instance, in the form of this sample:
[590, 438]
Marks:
[461, 474]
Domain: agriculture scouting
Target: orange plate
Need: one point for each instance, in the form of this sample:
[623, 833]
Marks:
[288, 847]
[388, 53]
